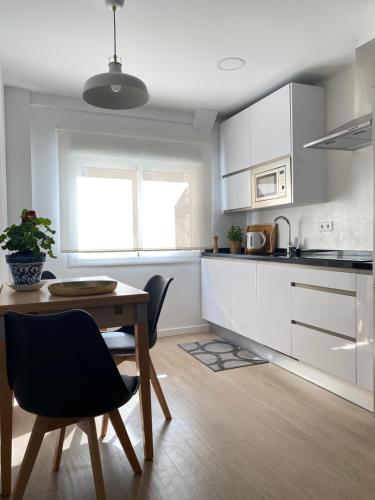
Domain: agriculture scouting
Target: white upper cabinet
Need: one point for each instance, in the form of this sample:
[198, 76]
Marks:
[235, 143]
[278, 126]
[236, 191]
[270, 127]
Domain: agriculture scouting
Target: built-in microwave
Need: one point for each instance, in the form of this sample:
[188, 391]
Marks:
[271, 184]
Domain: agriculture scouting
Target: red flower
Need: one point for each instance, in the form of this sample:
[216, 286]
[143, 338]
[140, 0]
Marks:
[26, 216]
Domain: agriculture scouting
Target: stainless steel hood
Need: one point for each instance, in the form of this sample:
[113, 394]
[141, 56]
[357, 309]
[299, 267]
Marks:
[352, 135]
[357, 133]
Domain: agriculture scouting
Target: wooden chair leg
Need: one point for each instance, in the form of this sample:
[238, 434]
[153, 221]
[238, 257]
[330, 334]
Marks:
[58, 451]
[159, 392]
[105, 421]
[104, 429]
[88, 426]
[35, 441]
[126, 444]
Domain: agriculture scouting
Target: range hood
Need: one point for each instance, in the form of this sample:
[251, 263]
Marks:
[352, 135]
[357, 133]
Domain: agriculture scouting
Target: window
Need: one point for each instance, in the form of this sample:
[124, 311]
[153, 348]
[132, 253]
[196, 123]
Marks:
[102, 193]
[115, 201]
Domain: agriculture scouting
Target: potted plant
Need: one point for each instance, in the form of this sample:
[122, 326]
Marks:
[235, 237]
[29, 242]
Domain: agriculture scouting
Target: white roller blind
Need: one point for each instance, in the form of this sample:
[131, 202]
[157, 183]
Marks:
[125, 194]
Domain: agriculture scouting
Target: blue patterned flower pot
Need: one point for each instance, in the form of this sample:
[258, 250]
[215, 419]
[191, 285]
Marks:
[26, 268]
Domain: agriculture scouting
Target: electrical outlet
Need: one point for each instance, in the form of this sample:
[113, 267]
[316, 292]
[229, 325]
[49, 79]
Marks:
[326, 225]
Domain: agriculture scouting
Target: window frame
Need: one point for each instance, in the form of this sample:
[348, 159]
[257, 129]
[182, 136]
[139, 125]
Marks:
[84, 163]
[104, 260]
[104, 149]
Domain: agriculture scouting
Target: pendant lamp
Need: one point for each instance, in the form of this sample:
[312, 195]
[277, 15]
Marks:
[115, 89]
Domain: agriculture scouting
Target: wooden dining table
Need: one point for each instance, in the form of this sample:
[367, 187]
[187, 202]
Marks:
[125, 306]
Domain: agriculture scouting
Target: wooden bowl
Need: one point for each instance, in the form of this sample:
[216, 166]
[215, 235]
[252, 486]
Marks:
[79, 288]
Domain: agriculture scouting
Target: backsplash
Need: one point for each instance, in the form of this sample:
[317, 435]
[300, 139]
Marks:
[348, 184]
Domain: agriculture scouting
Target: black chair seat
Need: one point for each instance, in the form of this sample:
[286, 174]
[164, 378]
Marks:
[122, 342]
[131, 383]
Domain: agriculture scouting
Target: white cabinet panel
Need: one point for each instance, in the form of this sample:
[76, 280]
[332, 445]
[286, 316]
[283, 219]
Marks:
[330, 311]
[365, 321]
[274, 307]
[216, 291]
[270, 127]
[243, 298]
[235, 143]
[329, 279]
[236, 192]
[326, 352]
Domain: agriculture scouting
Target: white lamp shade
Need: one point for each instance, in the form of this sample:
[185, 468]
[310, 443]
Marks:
[115, 90]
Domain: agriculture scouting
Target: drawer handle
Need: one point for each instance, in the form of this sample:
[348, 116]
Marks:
[326, 289]
[322, 330]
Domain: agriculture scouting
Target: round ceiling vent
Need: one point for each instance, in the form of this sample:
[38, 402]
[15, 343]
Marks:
[231, 63]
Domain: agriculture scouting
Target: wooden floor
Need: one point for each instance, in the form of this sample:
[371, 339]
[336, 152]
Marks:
[250, 433]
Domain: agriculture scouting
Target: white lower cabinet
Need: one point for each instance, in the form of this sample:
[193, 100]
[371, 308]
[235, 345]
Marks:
[324, 320]
[243, 291]
[365, 322]
[274, 307]
[329, 279]
[229, 294]
[324, 351]
[325, 308]
[216, 291]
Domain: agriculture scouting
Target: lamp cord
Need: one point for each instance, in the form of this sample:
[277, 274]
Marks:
[114, 33]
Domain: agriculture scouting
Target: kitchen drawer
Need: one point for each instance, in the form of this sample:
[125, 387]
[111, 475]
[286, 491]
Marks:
[328, 310]
[326, 352]
[328, 279]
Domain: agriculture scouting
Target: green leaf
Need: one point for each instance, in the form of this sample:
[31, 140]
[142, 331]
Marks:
[32, 235]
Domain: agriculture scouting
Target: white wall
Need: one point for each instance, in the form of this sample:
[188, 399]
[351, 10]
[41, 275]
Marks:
[3, 189]
[349, 185]
[33, 182]
[18, 152]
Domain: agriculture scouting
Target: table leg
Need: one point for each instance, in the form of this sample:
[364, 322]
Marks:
[6, 414]
[143, 364]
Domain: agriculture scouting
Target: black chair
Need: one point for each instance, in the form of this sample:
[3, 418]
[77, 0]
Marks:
[48, 275]
[60, 370]
[121, 343]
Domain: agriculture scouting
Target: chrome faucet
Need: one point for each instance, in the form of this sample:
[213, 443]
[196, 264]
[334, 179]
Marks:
[290, 244]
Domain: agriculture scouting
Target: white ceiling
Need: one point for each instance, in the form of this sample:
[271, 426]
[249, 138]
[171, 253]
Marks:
[174, 46]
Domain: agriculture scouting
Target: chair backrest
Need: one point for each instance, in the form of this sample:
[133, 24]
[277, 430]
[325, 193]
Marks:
[59, 365]
[157, 287]
[48, 275]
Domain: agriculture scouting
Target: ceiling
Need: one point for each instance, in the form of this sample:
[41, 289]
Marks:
[173, 45]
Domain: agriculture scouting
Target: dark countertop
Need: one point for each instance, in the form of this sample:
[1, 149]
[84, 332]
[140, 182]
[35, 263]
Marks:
[346, 259]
